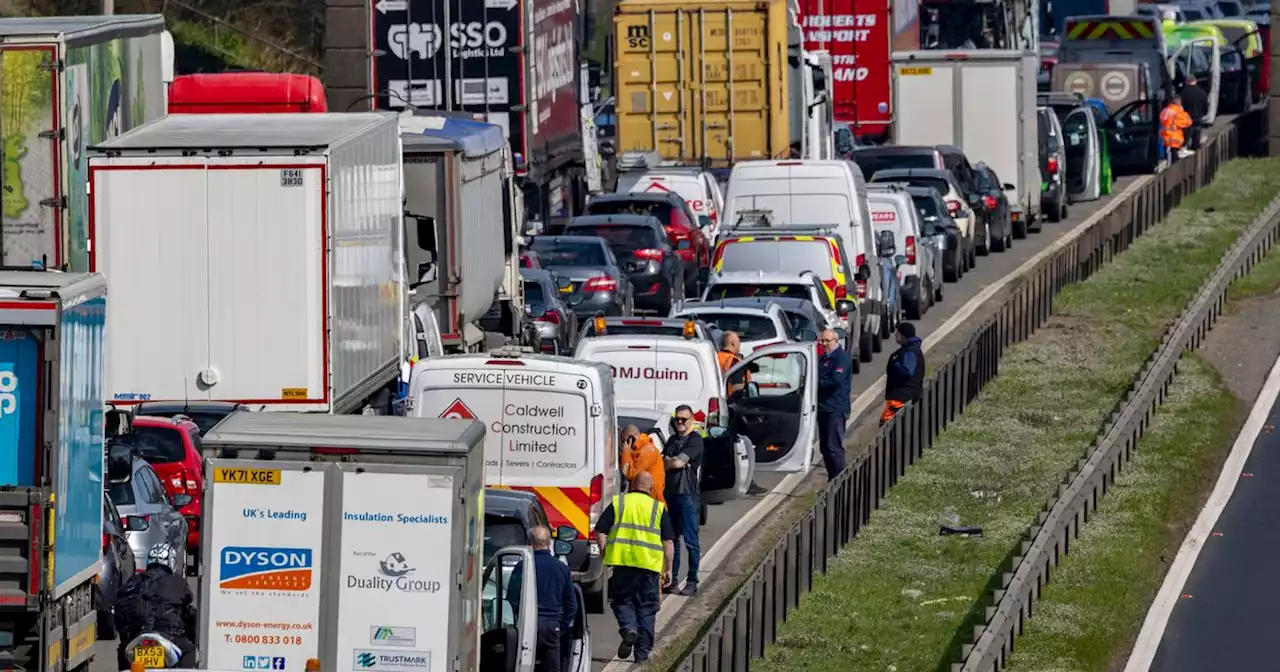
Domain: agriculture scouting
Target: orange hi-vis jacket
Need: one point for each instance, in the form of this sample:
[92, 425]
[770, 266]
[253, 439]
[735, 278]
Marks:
[645, 456]
[728, 360]
[1172, 120]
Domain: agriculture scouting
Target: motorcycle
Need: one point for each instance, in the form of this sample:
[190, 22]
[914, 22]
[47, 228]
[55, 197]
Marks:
[154, 651]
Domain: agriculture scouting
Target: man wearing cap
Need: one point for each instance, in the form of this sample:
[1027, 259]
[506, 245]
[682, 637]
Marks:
[904, 379]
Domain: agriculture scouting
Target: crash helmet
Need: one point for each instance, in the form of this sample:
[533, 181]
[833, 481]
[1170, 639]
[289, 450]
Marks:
[162, 555]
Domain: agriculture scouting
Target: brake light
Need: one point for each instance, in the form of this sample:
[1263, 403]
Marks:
[841, 291]
[550, 317]
[650, 254]
[502, 362]
[595, 498]
[953, 207]
[176, 481]
[862, 284]
[911, 250]
[1053, 165]
[643, 323]
[601, 285]
[989, 201]
[713, 411]
[334, 451]
[106, 542]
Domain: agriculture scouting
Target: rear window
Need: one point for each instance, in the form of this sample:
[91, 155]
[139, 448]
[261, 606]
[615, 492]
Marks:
[122, 494]
[800, 321]
[554, 253]
[871, 162]
[750, 327]
[797, 208]
[942, 186]
[642, 424]
[619, 235]
[927, 206]
[655, 208]
[984, 180]
[157, 444]
[533, 294]
[1235, 36]
[784, 256]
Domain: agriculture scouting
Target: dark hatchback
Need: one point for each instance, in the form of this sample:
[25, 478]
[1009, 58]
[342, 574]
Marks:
[930, 205]
[655, 270]
[679, 224]
[509, 518]
[596, 279]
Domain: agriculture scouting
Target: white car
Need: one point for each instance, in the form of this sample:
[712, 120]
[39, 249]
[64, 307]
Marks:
[944, 182]
[756, 327]
[805, 285]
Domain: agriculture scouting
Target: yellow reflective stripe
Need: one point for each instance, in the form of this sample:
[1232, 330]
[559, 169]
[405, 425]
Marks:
[560, 502]
[1078, 29]
[1142, 29]
[1121, 30]
[641, 544]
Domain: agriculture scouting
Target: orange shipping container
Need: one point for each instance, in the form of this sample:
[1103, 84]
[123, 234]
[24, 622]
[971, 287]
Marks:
[702, 80]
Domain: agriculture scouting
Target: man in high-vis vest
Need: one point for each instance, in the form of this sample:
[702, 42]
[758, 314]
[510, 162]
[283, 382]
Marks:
[638, 540]
[1173, 119]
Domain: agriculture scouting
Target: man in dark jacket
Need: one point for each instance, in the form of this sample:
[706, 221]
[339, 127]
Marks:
[835, 387]
[904, 379]
[157, 601]
[682, 457]
[1196, 102]
[557, 600]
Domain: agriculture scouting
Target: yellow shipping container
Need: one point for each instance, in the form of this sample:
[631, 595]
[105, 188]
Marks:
[702, 79]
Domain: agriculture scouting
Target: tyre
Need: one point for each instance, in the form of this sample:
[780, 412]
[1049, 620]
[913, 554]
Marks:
[1020, 229]
[952, 274]
[857, 364]
[702, 514]
[1055, 212]
[937, 293]
[985, 248]
[865, 349]
[1064, 212]
[1000, 244]
[973, 256]
[596, 595]
[915, 309]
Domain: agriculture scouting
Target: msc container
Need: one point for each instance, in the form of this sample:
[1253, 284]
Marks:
[365, 534]
[253, 258]
[702, 79]
[51, 421]
[982, 101]
[69, 82]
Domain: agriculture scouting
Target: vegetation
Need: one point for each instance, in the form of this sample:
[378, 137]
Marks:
[902, 597]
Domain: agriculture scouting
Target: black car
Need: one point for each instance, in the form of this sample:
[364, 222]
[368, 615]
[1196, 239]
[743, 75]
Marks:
[118, 565]
[640, 244]
[545, 299]
[680, 224]
[596, 279]
[510, 515]
[205, 414]
[999, 213]
[942, 157]
[930, 205]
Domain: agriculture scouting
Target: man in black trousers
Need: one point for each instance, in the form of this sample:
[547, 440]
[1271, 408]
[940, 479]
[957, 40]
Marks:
[1196, 102]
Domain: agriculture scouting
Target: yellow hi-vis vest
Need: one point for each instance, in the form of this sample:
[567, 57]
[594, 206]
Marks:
[636, 537]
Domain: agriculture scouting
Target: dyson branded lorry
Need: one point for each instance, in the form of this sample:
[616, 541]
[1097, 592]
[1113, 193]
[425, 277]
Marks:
[51, 500]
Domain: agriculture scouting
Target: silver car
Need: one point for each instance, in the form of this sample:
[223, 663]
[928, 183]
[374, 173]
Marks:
[150, 517]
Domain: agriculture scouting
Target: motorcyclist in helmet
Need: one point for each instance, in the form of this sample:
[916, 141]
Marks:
[157, 601]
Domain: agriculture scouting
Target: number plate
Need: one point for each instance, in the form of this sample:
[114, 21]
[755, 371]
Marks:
[151, 657]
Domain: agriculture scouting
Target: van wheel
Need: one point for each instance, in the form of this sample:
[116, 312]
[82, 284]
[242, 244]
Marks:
[865, 346]
[916, 308]
[998, 244]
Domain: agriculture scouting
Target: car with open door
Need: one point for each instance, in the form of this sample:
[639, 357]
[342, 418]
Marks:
[778, 416]
[509, 614]
[1053, 165]
[1082, 145]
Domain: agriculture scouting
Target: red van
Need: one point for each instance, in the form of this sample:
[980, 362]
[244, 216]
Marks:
[246, 92]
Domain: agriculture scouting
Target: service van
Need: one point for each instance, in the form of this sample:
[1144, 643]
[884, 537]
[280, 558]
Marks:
[551, 429]
[817, 195]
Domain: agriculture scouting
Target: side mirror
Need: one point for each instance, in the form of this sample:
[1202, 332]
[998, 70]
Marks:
[899, 260]
[563, 284]
[574, 300]
[1008, 187]
[117, 423]
[975, 200]
[119, 462]
[704, 221]
[561, 548]
[180, 501]
[426, 270]
[886, 244]
[425, 230]
[566, 533]
[136, 524]
[807, 335]
[844, 307]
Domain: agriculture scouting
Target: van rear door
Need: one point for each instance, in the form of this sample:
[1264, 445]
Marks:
[651, 373]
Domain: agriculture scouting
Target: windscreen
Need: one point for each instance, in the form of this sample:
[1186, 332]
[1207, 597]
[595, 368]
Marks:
[1235, 35]
[871, 162]
[657, 209]
[533, 294]
[750, 326]
[936, 183]
[796, 208]
[642, 424]
[561, 253]
[781, 256]
[619, 235]
[157, 444]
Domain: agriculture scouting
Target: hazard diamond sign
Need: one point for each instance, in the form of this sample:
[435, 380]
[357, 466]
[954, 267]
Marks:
[458, 411]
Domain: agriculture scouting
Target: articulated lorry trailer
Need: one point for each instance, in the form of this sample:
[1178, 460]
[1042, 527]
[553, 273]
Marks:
[255, 258]
[52, 427]
[69, 82]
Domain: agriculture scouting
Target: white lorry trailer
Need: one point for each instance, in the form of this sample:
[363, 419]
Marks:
[982, 101]
[358, 541]
[461, 209]
[69, 82]
[253, 258]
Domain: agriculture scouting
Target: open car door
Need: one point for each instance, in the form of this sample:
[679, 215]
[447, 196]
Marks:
[579, 639]
[1080, 137]
[510, 622]
[1133, 136]
[777, 409]
[1202, 57]
[728, 466]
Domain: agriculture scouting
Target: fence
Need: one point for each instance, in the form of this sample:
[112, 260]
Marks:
[749, 620]
[1050, 537]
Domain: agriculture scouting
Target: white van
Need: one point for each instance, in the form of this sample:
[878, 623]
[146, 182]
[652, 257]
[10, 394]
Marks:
[698, 188]
[821, 194]
[661, 372]
[551, 429]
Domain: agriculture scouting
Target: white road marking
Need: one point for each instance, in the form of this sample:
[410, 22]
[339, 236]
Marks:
[1153, 626]
[732, 538]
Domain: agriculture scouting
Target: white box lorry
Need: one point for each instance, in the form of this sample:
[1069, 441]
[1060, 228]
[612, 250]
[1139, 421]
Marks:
[253, 258]
[358, 541]
[982, 101]
[69, 82]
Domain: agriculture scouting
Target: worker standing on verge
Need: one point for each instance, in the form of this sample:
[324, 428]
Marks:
[904, 379]
[1173, 119]
[638, 539]
[1196, 102]
[835, 389]
[683, 457]
[639, 456]
[557, 599]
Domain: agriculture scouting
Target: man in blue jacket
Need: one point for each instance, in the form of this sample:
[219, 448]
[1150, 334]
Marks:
[557, 601]
[904, 376]
[835, 386]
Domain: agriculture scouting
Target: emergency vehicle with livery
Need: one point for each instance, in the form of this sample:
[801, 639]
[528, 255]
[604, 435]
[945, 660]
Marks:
[552, 430]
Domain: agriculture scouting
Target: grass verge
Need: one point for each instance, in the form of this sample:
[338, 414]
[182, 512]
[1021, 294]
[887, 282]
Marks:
[902, 597]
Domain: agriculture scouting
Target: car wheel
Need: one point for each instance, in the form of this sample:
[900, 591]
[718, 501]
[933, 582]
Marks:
[866, 346]
[973, 256]
[916, 308]
[1055, 213]
[857, 361]
[1020, 229]
[1064, 211]
[998, 244]
[937, 292]
[985, 248]
[702, 514]
[952, 274]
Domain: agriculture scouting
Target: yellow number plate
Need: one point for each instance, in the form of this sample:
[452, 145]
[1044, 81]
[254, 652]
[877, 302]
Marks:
[151, 657]
[915, 71]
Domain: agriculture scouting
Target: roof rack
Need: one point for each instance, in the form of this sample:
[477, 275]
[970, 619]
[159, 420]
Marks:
[629, 161]
[511, 351]
[754, 218]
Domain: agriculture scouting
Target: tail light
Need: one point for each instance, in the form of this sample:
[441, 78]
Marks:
[841, 292]
[862, 284]
[1053, 165]
[649, 255]
[595, 499]
[713, 411]
[990, 202]
[953, 207]
[106, 542]
[911, 250]
[601, 285]
[550, 317]
[176, 482]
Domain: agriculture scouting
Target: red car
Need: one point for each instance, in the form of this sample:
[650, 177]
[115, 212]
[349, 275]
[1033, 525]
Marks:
[677, 220]
[172, 447]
